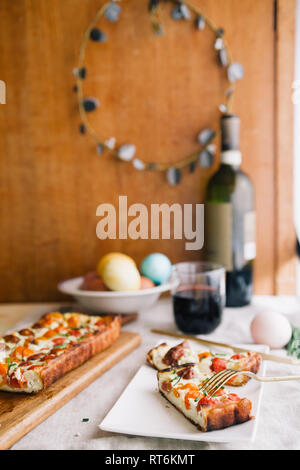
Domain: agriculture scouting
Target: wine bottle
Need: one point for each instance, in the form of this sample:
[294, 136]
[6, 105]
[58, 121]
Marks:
[230, 217]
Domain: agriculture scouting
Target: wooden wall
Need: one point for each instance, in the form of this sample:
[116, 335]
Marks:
[155, 92]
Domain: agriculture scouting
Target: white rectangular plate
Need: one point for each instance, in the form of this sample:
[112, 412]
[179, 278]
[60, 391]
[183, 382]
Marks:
[142, 411]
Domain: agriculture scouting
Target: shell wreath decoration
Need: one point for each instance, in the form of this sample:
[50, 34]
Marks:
[181, 11]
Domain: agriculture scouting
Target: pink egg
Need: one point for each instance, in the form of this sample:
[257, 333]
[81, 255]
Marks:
[271, 328]
[146, 283]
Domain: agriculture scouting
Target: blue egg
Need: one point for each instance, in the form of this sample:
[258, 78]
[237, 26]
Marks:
[156, 267]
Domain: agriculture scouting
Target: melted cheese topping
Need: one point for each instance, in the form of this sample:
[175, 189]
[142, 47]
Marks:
[185, 395]
[202, 357]
[24, 353]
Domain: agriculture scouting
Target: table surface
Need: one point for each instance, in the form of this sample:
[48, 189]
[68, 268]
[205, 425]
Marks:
[279, 423]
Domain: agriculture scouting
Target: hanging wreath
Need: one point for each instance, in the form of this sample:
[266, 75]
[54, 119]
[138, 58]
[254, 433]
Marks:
[182, 11]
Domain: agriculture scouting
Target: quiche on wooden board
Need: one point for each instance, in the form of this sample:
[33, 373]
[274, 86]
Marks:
[33, 358]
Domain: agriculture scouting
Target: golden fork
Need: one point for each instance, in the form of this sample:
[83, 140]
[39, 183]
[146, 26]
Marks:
[216, 381]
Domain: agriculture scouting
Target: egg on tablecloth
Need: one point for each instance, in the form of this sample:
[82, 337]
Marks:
[271, 328]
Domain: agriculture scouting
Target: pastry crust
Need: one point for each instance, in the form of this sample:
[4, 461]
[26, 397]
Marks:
[220, 417]
[214, 413]
[250, 363]
[150, 355]
[80, 353]
[35, 357]
[162, 356]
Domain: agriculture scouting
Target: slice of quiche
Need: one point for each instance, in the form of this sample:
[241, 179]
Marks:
[33, 358]
[165, 356]
[180, 385]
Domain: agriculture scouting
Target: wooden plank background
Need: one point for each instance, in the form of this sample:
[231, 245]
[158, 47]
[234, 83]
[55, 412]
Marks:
[285, 269]
[156, 92]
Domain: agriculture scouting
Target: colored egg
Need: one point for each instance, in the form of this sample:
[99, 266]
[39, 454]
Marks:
[110, 256]
[146, 283]
[271, 328]
[93, 282]
[156, 267]
[120, 274]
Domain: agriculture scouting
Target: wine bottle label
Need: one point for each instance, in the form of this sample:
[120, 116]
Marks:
[229, 241]
[231, 157]
[218, 233]
[249, 235]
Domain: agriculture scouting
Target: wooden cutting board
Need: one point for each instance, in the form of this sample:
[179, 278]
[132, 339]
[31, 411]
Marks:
[19, 413]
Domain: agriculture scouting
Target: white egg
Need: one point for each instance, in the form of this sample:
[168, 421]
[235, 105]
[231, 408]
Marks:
[271, 328]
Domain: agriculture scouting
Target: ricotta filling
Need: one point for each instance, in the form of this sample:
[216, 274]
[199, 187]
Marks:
[197, 416]
[192, 356]
[31, 378]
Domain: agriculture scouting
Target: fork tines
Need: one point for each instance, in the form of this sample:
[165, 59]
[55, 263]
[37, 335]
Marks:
[214, 383]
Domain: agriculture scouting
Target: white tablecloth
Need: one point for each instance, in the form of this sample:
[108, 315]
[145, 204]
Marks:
[279, 420]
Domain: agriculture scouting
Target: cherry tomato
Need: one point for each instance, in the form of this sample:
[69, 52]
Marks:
[233, 397]
[3, 372]
[237, 356]
[203, 355]
[57, 341]
[218, 364]
[207, 401]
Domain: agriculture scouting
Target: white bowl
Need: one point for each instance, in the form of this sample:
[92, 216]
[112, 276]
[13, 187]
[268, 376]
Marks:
[114, 302]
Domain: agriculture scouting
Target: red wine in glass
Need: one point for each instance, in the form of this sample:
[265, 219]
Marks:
[197, 309]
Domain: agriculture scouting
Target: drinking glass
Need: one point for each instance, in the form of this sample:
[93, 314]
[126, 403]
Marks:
[199, 296]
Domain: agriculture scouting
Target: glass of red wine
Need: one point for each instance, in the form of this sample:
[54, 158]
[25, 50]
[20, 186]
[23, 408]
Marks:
[199, 296]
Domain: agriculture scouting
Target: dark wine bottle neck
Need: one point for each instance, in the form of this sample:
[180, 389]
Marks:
[230, 128]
